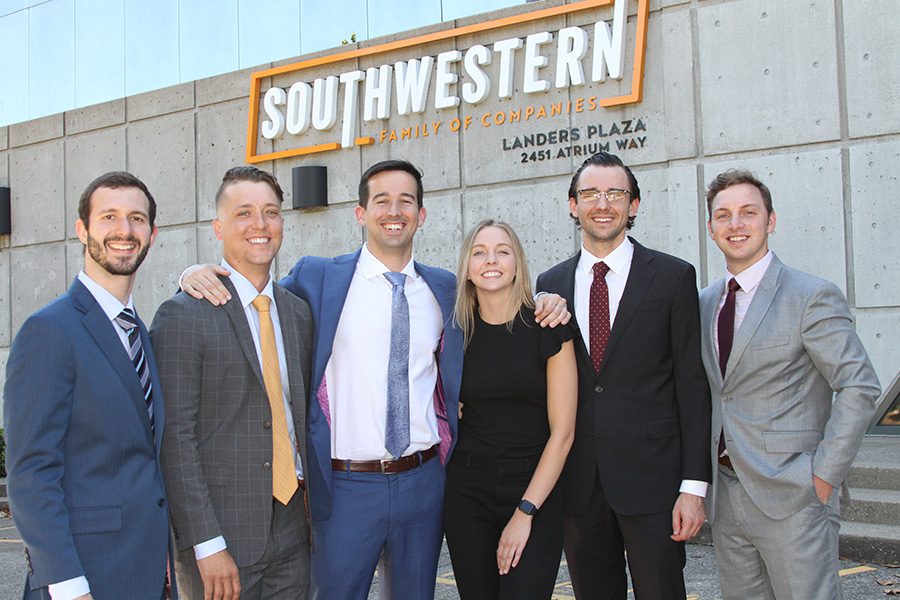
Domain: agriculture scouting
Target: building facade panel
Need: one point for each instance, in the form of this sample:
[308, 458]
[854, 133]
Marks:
[87, 157]
[875, 191]
[36, 190]
[871, 55]
[161, 152]
[768, 74]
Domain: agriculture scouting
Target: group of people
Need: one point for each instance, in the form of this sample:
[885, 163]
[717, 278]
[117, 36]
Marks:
[286, 439]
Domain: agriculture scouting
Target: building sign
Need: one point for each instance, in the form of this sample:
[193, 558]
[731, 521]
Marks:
[332, 103]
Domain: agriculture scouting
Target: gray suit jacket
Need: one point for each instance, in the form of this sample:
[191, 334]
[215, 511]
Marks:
[217, 451]
[798, 390]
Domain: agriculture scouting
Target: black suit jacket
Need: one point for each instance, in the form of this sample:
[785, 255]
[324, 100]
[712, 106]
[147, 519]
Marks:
[643, 421]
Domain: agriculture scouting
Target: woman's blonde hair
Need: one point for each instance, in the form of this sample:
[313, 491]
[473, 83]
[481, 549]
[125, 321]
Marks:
[467, 301]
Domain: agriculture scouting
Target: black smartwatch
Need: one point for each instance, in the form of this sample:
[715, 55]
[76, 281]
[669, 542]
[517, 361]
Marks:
[527, 507]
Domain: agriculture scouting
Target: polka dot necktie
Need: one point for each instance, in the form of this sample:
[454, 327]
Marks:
[599, 314]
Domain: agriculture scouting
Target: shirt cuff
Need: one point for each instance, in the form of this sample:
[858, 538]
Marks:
[69, 589]
[693, 487]
[209, 547]
[538, 295]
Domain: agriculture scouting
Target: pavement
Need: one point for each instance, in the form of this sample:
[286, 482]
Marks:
[860, 582]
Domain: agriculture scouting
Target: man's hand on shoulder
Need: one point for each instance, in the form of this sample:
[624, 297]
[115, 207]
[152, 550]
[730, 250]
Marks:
[201, 282]
[687, 517]
[220, 577]
[550, 310]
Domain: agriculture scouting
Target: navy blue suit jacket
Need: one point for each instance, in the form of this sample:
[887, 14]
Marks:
[324, 283]
[84, 482]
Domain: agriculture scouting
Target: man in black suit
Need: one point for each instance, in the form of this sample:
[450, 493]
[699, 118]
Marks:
[638, 470]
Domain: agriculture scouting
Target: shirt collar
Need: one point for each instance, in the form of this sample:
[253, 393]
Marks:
[246, 291]
[750, 277]
[371, 267]
[109, 303]
[616, 260]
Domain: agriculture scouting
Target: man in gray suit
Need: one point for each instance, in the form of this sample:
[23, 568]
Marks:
[792, 390]
[236, 378]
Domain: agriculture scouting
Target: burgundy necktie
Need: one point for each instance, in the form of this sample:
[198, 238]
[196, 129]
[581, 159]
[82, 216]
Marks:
[726, 324]
[599, 314]
[726, 338]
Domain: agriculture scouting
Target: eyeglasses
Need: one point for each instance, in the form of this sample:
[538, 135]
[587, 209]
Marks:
[612, 196]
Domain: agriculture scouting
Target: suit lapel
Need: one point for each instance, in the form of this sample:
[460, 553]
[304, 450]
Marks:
[290, 333]
[444, 291]
[758, 308]
[639, 278]
[107, 339]
[565, 287]
[238, 318]
[159, 416]
[709, 303]
[336, 282]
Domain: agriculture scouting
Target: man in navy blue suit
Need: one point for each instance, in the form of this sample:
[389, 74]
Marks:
[84, 418]
[369, 506]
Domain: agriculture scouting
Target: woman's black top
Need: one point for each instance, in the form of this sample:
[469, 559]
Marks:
[504, 387]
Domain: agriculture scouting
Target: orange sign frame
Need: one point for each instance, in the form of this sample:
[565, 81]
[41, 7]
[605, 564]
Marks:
[637, 74]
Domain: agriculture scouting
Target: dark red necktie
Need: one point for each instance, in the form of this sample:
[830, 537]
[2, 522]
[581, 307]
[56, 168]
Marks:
[726, 324]
[726, 338]
[599, 315]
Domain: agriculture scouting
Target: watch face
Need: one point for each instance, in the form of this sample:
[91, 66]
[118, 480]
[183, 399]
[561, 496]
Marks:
[528, 508]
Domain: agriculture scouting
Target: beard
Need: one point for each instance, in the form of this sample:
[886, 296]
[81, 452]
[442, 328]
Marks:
[116, 266]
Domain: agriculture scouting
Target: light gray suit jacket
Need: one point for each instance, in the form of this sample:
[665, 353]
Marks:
[798, 390]
[217, 452]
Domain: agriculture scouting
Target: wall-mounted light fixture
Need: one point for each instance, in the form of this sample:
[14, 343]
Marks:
[5, 213]
[310, 186]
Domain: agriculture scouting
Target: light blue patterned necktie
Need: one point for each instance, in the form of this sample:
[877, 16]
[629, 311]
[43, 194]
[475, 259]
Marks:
[396, 429]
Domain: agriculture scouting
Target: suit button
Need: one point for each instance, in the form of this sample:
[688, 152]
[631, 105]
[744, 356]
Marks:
[599, 389]
[267, 424]
[267, 466]
[160, 502]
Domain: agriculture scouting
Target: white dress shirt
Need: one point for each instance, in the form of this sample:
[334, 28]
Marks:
[619, 263]
[112, 307]
[749, 280]
[356, 373]
[246, 293]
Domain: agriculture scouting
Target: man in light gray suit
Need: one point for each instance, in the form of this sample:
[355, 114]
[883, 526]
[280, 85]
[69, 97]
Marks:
[236, 379]
[793, 391]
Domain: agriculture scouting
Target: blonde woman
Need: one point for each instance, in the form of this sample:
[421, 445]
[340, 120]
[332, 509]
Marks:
[502, 515]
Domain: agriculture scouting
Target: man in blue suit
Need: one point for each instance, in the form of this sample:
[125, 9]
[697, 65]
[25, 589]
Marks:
[372, 502]
[84, 418]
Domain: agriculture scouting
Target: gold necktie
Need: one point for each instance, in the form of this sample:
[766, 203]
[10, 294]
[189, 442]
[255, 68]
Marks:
[284, 475]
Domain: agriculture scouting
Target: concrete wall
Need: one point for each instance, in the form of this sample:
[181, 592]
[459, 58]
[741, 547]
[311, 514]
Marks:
[806, 94]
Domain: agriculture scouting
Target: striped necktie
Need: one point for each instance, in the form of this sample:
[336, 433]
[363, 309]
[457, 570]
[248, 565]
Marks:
[128, 322]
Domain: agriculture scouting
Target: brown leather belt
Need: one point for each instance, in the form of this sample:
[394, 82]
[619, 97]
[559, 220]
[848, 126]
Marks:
[404, 463]
[725, 461]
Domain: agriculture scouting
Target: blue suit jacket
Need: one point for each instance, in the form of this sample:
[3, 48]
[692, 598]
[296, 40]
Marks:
[84, 482]
[324, 283]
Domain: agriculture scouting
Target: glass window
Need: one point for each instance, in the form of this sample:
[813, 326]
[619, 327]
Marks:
[391, 16]
[269, 31]
[320, 29]
[151, 45]
[14, 68]
[10, 6]
[51, 44]
[456, 9]
[99, 51]
[209, 38]
[892, 415]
